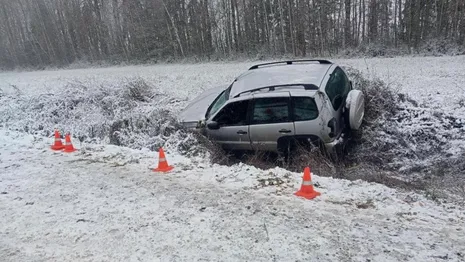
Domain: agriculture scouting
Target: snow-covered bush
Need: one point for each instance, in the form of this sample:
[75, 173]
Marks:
[400, 136]
[441, 47]
[432, 47]
[129, 114]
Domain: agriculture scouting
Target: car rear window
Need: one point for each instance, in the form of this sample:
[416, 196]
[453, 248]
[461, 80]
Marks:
[304, 108]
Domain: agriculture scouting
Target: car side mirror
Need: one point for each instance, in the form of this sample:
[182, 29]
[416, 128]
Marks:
[213, 125]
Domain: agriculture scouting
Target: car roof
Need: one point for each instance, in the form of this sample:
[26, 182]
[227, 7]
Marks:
[276, 75]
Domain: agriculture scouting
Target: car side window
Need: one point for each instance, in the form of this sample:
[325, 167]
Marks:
[337, 88]
[271, 110]
[305, 108]
[234, 114]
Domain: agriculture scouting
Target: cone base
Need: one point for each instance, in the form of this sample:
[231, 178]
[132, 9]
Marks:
[306, 195]
[163, 169]
[70, 150]
[57, 148]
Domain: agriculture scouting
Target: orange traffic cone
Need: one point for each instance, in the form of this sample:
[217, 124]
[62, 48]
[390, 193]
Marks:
[162, 163]
[69, 148]
[306, 190]
[57, 145]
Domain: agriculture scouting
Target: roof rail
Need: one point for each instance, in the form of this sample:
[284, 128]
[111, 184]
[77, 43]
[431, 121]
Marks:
[272, 88]
[290, 62]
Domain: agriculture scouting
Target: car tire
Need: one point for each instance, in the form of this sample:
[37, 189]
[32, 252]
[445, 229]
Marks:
[355, 106]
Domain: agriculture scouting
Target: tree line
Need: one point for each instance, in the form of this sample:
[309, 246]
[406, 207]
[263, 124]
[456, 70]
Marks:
[38, 33]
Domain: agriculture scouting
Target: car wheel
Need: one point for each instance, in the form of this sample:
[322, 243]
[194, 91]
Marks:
[355, 106]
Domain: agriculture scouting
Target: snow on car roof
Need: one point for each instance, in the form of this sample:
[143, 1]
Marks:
[305, 73]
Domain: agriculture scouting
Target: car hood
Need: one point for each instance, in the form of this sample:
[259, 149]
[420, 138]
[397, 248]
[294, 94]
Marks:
[197, 108]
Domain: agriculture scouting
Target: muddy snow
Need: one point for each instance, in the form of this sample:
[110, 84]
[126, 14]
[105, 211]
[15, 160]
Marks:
[104, 203]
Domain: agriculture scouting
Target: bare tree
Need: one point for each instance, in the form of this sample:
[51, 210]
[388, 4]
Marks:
[37, 33]
[347, 33]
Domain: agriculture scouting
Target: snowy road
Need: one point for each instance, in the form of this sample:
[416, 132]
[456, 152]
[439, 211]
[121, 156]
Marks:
[104, 204]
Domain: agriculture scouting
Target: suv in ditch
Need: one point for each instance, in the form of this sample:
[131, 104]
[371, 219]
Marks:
[273, 105]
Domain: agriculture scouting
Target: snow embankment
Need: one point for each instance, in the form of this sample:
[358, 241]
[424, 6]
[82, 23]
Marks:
[104, 203]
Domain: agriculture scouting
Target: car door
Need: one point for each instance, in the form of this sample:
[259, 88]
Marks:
[233, 131]
[337, 89]
[305, 116]
[270, 120]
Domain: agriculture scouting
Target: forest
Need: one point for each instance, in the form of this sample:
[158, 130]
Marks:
[40, 33]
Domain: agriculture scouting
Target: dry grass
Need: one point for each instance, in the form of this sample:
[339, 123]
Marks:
[139, 90]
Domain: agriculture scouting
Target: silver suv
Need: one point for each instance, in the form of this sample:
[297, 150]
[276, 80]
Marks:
[273, 104]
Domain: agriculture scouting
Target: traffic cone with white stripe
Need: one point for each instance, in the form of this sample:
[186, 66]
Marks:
[57, 145]
[162, 163]
[306, 190]
[69, 148]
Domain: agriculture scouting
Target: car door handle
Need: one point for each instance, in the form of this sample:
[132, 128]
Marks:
[285, 131]
[240, 132]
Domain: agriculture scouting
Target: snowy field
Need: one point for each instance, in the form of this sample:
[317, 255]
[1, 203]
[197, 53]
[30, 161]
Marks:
[103, 203]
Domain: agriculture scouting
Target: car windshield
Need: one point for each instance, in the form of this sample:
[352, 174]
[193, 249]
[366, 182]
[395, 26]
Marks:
[218, 103]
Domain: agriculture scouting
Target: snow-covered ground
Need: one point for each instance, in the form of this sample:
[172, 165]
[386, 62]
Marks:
[435, 81]
[103, 203]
